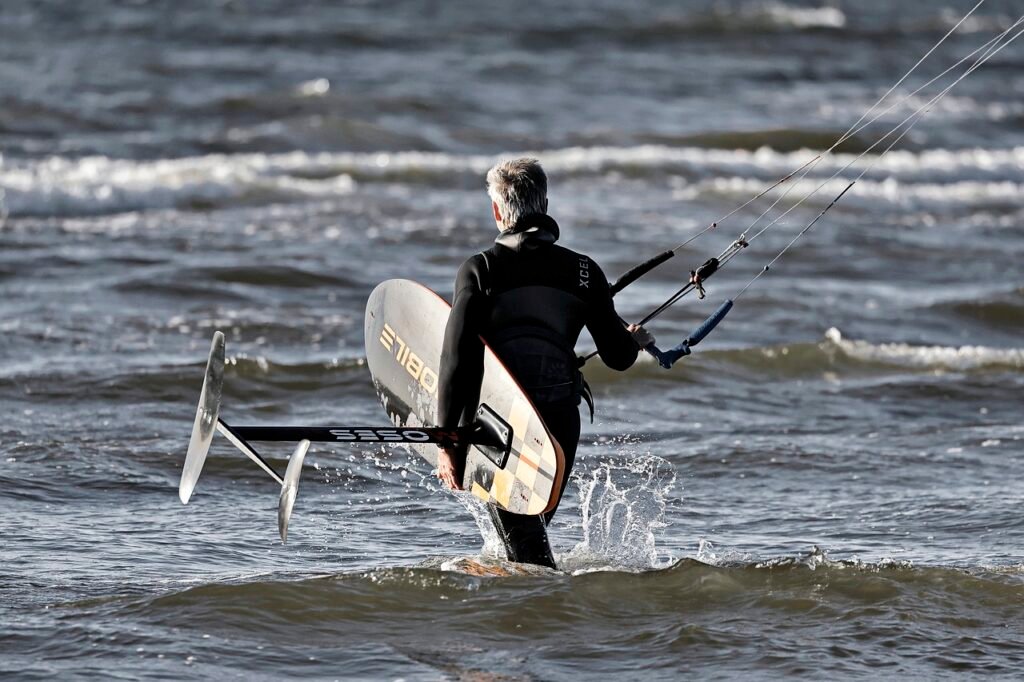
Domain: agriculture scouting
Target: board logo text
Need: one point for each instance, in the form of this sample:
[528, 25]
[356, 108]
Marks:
[412, 363]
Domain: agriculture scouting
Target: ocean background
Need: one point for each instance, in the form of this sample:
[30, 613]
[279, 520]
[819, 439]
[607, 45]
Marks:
[830, 487]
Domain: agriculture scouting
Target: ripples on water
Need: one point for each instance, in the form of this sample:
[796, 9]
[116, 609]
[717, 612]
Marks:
[829, 486]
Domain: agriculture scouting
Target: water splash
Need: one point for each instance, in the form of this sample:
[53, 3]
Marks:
[493, 547]
[622, 505]
[708, 553]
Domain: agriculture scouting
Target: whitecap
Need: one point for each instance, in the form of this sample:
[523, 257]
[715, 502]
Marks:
[102, 185]
[949, 358]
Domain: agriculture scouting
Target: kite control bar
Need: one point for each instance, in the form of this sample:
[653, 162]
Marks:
[638, 271]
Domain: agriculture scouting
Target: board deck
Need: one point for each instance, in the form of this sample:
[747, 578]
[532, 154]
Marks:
[404, 329]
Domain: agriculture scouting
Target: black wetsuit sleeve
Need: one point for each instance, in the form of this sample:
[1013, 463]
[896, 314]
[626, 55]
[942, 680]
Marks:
[615, 345]
[462, 355]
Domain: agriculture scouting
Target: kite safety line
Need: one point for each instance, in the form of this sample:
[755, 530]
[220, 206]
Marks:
[711, 266]
[912, 119]
[666, 358]
[642, 269]
[909, 122]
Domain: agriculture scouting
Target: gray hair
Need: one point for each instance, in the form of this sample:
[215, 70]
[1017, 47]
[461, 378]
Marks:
[518, 187]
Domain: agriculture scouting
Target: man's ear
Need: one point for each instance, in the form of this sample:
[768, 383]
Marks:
[497, 213]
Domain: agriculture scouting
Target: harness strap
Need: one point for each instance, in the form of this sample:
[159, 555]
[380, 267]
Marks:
[588, 395]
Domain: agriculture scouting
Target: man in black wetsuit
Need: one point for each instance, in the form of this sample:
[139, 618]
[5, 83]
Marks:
[530, 299]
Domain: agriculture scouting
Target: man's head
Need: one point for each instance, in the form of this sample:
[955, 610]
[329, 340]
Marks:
[517, 187]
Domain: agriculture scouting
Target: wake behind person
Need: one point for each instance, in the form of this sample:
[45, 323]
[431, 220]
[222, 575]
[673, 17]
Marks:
[529, 298]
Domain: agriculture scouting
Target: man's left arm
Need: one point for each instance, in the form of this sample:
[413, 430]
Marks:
[462, 366]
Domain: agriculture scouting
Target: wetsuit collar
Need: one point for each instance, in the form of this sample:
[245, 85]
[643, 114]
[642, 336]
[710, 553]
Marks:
[530, 232]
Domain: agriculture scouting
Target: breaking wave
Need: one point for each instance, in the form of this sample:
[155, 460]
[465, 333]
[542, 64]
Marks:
[834, 356]
[458, 594]
[957, 359]
[98, 184]
[101, 185]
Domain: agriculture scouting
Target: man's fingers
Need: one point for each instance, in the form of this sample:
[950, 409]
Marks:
[452, 483]
[447, 477]
[640, 335]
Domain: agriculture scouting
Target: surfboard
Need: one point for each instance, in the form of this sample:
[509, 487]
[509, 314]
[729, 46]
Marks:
[404, 334]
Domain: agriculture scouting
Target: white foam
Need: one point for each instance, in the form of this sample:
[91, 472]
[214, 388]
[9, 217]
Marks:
[99, 185]
[933, 164]
[786, 16]
[977, 23]
[947, 358]
[908, 195]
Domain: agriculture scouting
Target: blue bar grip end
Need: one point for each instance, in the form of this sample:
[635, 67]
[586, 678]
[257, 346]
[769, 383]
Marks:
[698, 334]
[667, 358]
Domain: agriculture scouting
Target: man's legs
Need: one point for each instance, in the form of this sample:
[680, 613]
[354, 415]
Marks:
[525, 537]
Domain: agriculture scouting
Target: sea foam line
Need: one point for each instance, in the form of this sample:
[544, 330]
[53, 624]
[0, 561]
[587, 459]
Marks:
[102, 185]
[927, 357]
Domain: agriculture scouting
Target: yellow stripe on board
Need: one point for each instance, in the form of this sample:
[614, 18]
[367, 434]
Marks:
[519, 417]
[480, 491]
[501, 489]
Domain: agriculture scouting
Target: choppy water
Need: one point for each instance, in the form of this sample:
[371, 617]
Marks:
[831, 486]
